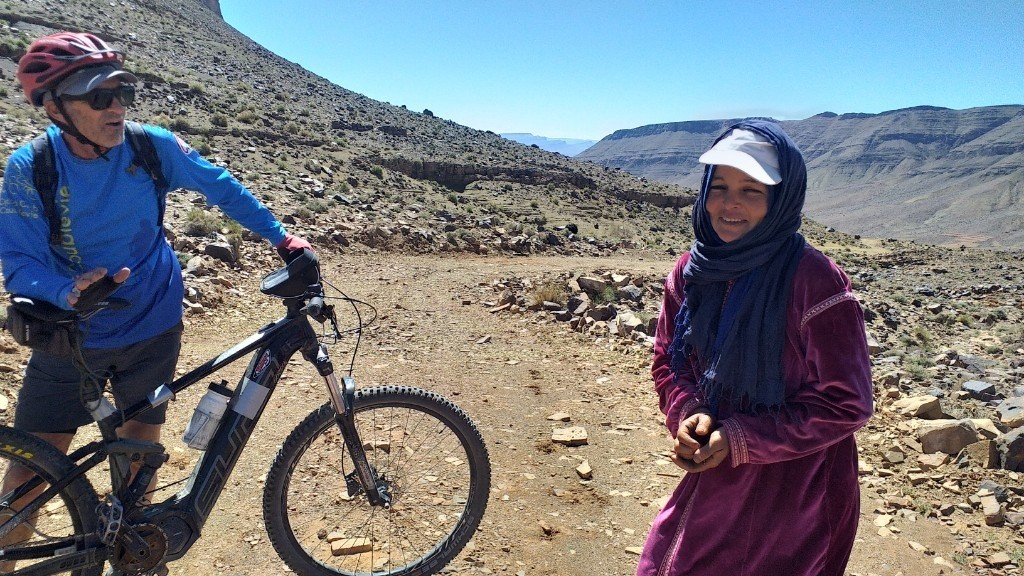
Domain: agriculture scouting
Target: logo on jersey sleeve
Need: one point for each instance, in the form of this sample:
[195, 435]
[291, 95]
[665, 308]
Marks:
[185, 148]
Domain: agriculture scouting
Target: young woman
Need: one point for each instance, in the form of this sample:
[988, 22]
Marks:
[762, 370]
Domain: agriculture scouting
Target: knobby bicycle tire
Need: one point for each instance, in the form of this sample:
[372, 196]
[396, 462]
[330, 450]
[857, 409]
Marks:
[70, 515]
[436, 468]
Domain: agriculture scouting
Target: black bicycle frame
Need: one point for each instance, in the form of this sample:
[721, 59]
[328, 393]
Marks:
[183, 516]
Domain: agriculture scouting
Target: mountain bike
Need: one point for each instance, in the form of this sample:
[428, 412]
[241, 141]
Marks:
[384, 480]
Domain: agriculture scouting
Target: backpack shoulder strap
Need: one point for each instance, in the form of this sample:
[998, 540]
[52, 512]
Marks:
[145, 157]
[44, 178]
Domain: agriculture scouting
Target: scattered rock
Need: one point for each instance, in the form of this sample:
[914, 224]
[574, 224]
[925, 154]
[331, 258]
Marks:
[1011, 450]
[947, 436]
[926, 407]
[1011, 412]
[574, 436]
[980, 390]
[584, 471]
[341, 546]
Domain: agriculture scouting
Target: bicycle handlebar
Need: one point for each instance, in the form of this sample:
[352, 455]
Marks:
[315, 307]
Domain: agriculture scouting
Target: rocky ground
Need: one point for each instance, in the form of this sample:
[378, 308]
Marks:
[463, 325]
[459, 237]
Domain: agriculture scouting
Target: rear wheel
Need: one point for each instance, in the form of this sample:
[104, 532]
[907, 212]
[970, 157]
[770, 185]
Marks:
[434, 464]
[28, 466]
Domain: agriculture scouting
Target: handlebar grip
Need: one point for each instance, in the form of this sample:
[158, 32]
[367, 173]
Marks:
[315, 306]
[96, 292]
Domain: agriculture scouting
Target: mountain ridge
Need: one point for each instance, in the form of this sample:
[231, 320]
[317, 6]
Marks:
[958, 175]
[564, 146]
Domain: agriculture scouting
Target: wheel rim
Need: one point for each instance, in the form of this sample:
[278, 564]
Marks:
[57, 523]
[426, 467]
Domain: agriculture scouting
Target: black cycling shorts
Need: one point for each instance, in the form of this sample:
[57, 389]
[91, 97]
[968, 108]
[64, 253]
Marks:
[49, 399]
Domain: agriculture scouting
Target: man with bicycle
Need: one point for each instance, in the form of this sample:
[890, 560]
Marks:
[110, 215]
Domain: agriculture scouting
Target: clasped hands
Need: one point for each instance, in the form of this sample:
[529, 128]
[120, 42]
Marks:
[699, 443]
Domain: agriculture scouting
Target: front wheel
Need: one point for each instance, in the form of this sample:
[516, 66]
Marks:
[435, 470]
[47, 542]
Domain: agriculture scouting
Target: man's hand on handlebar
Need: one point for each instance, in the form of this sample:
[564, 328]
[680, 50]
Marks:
[292, 246]
[90, 279]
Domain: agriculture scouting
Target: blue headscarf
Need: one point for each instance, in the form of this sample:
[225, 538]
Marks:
[738, 341]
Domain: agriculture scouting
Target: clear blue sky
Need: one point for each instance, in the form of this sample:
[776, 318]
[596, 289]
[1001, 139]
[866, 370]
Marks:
[585, 68]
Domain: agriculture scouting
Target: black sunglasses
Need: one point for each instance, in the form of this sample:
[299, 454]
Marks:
[102, 98]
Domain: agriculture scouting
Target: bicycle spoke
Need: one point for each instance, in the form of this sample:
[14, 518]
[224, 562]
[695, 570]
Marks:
[424, 467]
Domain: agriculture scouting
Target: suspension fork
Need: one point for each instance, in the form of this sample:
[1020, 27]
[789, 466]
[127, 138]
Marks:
[342, 398]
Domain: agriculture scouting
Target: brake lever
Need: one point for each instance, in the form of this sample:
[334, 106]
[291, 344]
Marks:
[333, 317]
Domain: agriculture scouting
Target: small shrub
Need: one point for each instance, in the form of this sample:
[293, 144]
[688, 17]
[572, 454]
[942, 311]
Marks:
[200, 222]
[219, 119]
[161, 120]
[317, 205]
[246, 117]
[377, 171]
[553, 291]
[181, 125]
[202, 145]
[918, 373]
[606, 296]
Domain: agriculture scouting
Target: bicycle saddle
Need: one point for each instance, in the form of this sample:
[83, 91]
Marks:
[292, 280]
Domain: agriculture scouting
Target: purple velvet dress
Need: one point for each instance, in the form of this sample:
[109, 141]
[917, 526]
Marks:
[786, 500]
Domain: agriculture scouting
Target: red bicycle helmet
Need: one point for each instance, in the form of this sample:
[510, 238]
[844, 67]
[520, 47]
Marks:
[52, 58]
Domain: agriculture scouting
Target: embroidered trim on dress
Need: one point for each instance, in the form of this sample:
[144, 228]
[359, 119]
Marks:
[673, 549]
[825, 305]
[737, 442]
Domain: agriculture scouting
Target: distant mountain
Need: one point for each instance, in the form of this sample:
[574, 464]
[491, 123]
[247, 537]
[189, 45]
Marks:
[930, 174]
[564, 146]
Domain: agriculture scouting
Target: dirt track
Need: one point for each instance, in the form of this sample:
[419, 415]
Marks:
[542, 518]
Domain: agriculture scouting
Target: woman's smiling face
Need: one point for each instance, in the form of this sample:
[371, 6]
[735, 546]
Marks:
[736, 203]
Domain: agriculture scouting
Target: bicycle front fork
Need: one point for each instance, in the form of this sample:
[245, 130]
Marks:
[343, 398]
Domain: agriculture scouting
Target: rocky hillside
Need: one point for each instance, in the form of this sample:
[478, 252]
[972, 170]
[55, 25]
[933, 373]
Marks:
[213, 5]
[941, 176]
[343, 168]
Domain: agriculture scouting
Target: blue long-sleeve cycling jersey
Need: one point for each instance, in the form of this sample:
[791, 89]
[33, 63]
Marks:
[109, 218]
